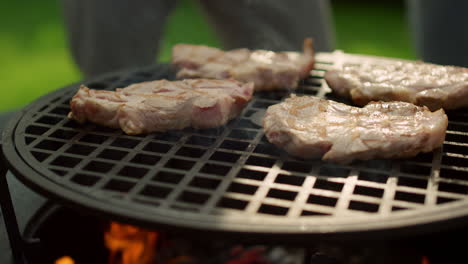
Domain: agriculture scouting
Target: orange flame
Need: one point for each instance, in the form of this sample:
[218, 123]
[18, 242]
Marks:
[130, 245]
[425, 260]
[64, 260]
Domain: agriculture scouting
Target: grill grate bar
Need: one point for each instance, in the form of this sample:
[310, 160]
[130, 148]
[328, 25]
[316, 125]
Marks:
[452, 181]
[303, 195]
[316, 208]
[185, 181]
[171, 198]
[153, 169]
[261, 193]
[389, 191]
[432, 185]
[114, 170]
[454, 167]
[345, 197]
[231, 175]
[456, 155]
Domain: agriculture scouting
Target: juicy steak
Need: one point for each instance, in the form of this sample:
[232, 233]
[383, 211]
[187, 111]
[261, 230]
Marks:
[267, 69]
[419, 83]
[311, 127]
[162, 105]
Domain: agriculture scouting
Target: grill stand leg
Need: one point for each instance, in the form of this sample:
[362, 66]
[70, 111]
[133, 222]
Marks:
[17, 243]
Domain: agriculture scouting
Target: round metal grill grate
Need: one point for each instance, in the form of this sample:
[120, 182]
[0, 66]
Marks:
[230, 179]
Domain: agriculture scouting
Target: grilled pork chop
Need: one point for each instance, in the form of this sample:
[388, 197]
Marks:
[267, 69]
[162, 105]
[311, 127]
[419, 83]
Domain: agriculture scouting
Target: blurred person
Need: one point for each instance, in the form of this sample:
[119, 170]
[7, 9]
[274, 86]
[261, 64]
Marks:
[108, 35]
[440, 30]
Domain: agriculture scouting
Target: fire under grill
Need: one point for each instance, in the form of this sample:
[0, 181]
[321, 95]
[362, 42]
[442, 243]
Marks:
[230, 180]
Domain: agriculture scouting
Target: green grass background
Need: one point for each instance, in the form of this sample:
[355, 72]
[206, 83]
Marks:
[34, 58]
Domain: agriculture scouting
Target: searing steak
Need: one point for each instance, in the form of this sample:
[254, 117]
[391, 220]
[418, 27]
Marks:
[310, 127]
[162, 105]
[267, 69]
[419, 83]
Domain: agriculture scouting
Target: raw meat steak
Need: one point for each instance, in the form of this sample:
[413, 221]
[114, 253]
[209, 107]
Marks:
[162, 105]
[311, 127]
[419, 83]
[267, 69]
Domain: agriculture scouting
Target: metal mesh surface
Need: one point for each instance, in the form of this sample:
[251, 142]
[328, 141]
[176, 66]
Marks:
[231, 175]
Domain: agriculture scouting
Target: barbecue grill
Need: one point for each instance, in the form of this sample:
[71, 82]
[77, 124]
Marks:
[230, 180]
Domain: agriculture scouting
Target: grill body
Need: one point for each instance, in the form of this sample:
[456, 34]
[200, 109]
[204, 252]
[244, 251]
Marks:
[230, 180]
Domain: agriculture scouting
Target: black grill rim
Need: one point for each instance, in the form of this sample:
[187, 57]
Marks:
[403, 223]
